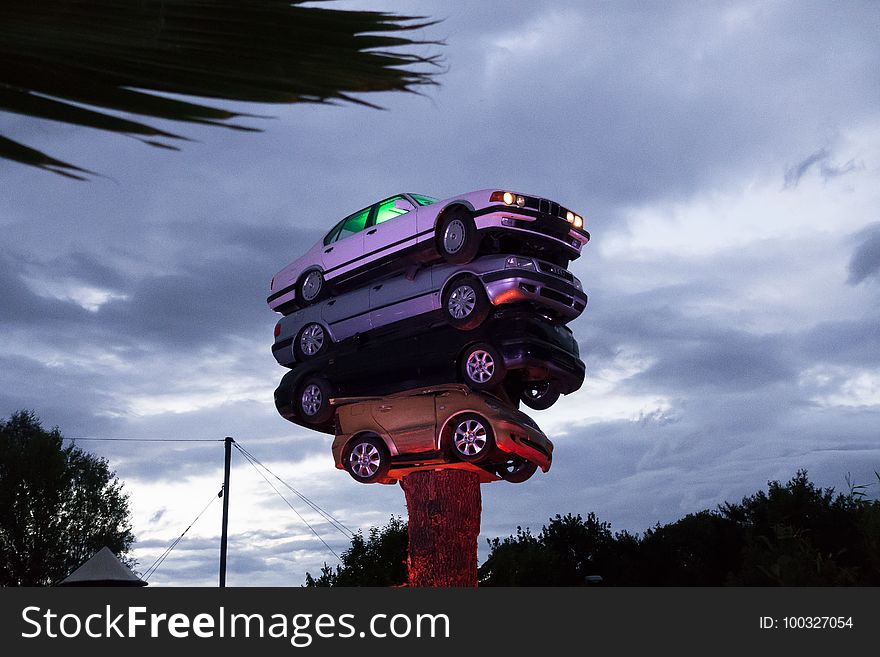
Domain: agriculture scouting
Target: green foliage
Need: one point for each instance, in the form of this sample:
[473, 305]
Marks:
[58, 505]
[380, 560]
[800, 535]
[793, 535]
[84, 63]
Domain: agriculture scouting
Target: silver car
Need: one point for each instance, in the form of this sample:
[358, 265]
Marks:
[463, 294]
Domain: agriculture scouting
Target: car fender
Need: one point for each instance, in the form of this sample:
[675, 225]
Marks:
[389, 444]
[445, 426]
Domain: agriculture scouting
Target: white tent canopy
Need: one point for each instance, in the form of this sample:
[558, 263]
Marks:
[103, 569]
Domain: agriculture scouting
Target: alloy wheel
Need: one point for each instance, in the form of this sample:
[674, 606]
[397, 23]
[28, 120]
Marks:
[480, 366]
[470, 437]
[462, 301]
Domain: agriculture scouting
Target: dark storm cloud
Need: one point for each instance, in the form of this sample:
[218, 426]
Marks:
[865, 261]
[853, 342]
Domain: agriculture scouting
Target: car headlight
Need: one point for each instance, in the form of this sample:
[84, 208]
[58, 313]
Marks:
[569, 216]
[578, 221]
[518, 262]
[508, 198]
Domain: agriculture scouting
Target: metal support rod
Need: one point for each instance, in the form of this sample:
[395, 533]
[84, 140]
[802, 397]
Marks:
[228, 457]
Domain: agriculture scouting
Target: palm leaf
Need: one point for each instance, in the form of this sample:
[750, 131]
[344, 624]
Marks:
[95, 63]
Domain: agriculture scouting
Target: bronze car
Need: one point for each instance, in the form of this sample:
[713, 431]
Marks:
[381, 439]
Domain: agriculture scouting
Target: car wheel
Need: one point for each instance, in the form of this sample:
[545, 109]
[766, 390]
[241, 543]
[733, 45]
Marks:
[465, 303]
[312, 401]
[516, 470]
[457, 237]
[366, 459]
[539, 396]
[471, 438]
[311, 288]
[312, 341]
[482, 367]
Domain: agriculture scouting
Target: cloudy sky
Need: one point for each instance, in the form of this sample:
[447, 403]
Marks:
[726, 157]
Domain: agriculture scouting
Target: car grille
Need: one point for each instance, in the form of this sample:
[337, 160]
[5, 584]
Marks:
[549, 207]
[561, 272]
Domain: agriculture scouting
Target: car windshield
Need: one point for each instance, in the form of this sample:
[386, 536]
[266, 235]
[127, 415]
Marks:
[421, 199]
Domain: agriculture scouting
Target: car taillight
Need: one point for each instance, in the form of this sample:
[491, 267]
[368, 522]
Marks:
[278, 329]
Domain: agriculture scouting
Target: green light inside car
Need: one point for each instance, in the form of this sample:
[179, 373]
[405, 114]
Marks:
[386, 210]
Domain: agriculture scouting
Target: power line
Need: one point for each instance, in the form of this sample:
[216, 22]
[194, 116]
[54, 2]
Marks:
[152, 569]
[345, 531]
[152, 440]
[287, 502]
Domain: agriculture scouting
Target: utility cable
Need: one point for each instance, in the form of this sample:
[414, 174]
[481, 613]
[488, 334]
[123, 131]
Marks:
[345, 531]
[287, 502]
[152, 569]
[152, 440]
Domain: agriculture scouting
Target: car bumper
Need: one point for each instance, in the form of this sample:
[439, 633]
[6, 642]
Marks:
[515, 285]
[530, 445]
[543, 361]
[282, 350]
[547, 227]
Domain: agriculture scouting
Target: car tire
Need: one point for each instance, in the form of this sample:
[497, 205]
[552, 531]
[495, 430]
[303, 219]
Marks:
[311, 342]
[312, 401]
[539, 396]
[471, 438]
[366, 459]
[457, 238]
[482, 367]
[310, 288]
[516, 470]
[465, 303]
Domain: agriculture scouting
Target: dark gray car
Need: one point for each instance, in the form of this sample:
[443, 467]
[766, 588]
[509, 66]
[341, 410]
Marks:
[464, 294]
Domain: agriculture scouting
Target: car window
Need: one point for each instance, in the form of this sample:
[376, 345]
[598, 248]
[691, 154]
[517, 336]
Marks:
[352, 224]
[421, 199]
[386, 210]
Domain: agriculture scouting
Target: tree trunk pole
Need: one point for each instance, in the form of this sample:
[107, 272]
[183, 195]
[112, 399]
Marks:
[444, 508]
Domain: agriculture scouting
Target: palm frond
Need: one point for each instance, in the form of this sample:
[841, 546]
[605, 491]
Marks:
[86, 62]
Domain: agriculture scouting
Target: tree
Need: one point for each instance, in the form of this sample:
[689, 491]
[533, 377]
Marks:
[799, 535]
[444, 522]
[795, 534]
[701, 549]
[380, 560]
[58, 505]
[104, 63]
[565, 553]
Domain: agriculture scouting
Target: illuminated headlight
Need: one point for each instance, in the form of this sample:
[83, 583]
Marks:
[517, 262]
[508, 198]
[578, 221]
[569, 216]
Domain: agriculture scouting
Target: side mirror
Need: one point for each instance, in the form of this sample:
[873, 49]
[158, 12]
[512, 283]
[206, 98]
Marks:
[403, 205]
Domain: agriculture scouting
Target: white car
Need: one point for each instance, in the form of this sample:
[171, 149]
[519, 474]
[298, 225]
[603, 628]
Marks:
[413, 228]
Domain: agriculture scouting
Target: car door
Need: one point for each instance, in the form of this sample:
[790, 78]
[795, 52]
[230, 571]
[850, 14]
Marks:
[409, 421]
[401, 297]
[391, 231]
[345, 251]
[348, 314]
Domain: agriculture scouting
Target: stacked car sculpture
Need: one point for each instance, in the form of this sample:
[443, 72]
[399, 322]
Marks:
[416, 326]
